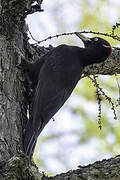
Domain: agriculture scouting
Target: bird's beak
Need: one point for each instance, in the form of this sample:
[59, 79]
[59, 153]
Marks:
[85, 39]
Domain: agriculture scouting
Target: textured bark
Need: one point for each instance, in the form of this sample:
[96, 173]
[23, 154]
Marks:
[10, 100]
[14, 48]
[11, 97]
[20, 167]
[101, 170]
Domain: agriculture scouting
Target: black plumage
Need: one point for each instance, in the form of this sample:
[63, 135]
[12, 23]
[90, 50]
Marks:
[55, 79]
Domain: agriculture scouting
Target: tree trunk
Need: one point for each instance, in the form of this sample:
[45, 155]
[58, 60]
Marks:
[11, 95]
[14, 48]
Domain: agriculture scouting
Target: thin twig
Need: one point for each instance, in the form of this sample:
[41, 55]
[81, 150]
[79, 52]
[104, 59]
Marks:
[104, 95]
[114, 27]
[71, 33]
[118, 85]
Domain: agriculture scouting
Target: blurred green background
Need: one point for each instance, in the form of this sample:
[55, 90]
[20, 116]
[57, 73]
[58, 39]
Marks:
[74, 137]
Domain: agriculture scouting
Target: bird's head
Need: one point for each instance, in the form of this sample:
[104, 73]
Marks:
[99, 48]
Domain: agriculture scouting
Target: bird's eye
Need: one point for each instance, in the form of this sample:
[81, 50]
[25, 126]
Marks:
[95, 39]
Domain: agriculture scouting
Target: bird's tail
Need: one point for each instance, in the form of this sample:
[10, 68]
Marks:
[31, 133]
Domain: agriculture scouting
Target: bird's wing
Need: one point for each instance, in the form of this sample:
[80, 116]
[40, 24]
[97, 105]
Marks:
[47, 101]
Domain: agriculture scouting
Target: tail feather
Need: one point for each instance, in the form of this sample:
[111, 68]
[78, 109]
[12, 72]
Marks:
[31, 134]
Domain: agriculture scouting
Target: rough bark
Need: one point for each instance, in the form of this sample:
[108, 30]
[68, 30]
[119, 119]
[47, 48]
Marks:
[100, 170]
[19, 167]
[14, 48]
[11, 97]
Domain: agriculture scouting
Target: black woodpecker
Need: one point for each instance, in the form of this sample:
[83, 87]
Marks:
[55, 79]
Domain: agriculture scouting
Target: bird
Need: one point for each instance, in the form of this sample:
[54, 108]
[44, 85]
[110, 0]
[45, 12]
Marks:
[55, 79]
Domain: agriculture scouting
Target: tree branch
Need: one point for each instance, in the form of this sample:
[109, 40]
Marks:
[100, 170]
